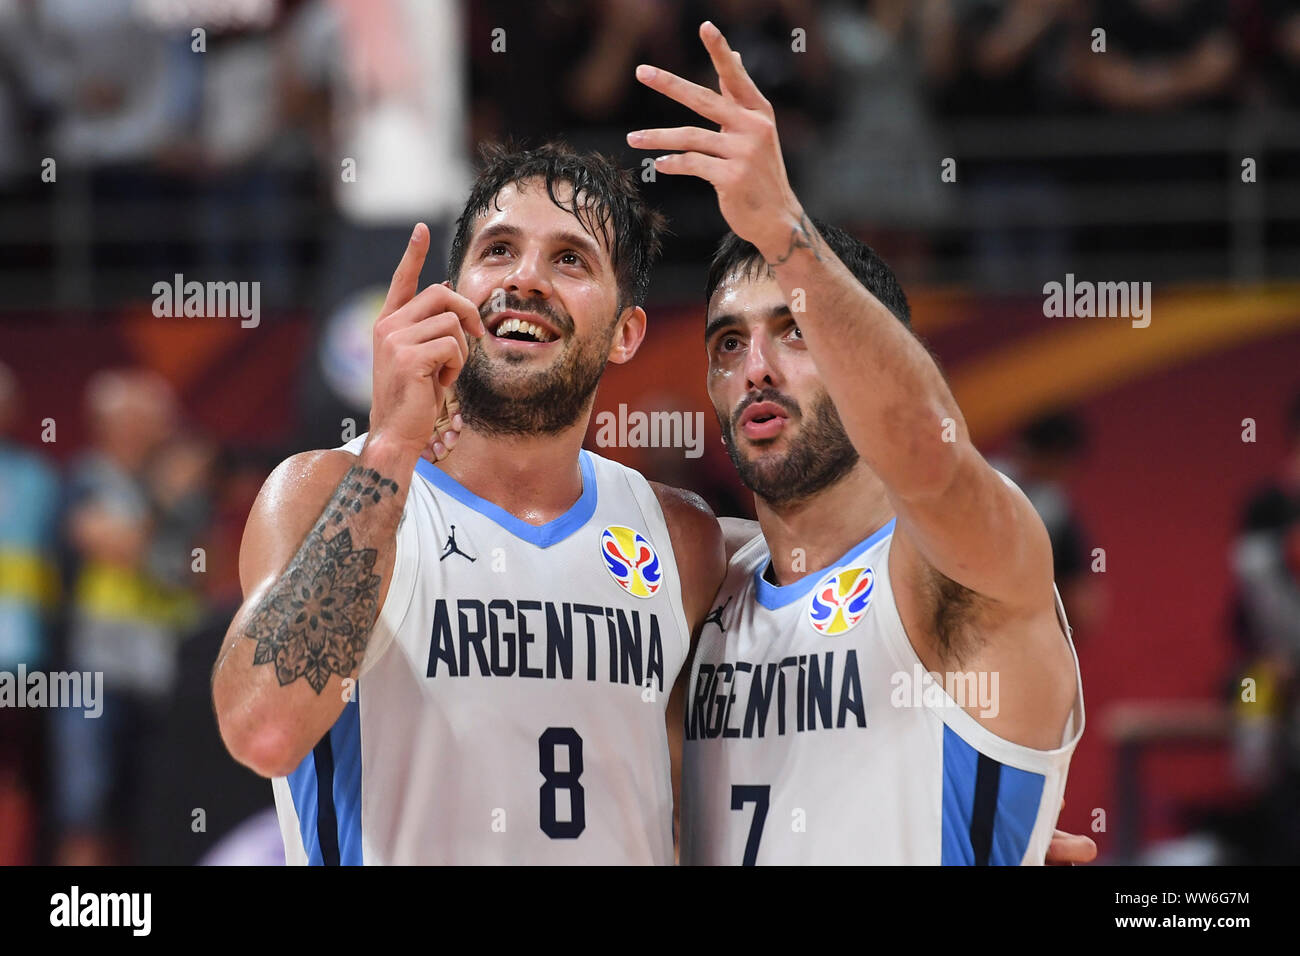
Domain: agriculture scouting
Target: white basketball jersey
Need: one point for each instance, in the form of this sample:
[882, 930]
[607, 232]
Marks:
[511, 705]
[814, 735]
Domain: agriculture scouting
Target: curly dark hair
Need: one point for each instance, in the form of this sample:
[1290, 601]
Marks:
[604, 199]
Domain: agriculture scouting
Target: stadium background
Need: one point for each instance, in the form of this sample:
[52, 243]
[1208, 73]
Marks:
[233, 164]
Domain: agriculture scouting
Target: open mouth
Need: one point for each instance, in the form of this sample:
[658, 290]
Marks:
[516, 328]
[763, 420]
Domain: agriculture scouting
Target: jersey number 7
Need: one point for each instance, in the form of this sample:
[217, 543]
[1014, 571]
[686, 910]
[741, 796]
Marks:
[758, 796]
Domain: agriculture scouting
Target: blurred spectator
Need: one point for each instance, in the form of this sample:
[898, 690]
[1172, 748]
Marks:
[187, 762]
[591, 49]
[1267, 566]
[110, 74]
[1264, 682]
[1007, 63]
[107, 66]
[584, 54]
[1162, 55]
[129, 607]
[393, 77]
[1266, 562]
[1006, 56]
[29, 497]
[248, 160]
[876, 166]
[1043, 461]
[797, 80]
[795, 72]
[587, 49]
[20, 94]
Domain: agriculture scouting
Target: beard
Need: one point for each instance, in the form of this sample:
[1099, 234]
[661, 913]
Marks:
[503, 398]
[820, 456]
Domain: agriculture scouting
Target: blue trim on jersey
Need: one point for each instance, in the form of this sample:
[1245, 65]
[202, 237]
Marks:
[543, 536]
[326, 789]
[970, 781]
[775, 596]
[304, 788]
[345, 741]
[1019, 796]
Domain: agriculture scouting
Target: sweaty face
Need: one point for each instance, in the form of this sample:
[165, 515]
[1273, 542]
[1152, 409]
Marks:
[549, 300]
[778, 424]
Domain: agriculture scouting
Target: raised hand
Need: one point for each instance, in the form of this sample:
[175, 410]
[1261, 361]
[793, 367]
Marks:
[420, 347]
[742, 159]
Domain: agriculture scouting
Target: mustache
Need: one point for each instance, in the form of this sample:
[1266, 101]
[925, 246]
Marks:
[514, 303]
[768, 394]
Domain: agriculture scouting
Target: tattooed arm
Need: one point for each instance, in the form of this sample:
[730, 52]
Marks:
[315, 565]
[318, 550]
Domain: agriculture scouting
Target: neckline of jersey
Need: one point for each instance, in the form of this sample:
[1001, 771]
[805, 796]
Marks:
[776, 596]
[541, 535]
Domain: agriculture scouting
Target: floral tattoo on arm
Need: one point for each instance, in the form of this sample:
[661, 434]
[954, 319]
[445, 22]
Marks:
[316, 619]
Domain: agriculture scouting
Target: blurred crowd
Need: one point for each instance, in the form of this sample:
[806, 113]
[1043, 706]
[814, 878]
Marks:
[1266, 619]
[265, 138]
[100, 575]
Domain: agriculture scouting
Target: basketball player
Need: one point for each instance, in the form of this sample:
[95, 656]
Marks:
[470, 661]
[890, 553]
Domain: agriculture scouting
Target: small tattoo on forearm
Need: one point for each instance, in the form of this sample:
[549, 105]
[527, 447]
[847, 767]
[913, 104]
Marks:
[802, 236]
[317, 618]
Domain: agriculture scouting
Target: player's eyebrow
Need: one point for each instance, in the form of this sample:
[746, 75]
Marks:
[722, 321]
[717, 322]
[564, 236]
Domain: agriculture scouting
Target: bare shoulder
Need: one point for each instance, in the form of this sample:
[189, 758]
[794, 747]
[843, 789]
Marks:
[698, 544]
[292, 498]
[688, 516]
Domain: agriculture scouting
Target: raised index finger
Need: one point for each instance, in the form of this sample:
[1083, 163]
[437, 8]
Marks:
[406, 279]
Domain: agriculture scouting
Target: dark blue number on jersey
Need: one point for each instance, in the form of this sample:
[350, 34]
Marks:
[552, 738]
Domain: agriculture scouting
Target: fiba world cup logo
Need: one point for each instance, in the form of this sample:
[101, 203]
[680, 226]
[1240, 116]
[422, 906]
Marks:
[631, 560]
[841, 600]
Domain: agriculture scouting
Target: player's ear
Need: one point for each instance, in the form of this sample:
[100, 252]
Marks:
[629, 330]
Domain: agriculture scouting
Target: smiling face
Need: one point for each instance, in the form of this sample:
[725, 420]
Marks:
[778, 423]
[549, 298]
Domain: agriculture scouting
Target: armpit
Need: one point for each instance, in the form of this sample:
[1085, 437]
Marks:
[956, 614]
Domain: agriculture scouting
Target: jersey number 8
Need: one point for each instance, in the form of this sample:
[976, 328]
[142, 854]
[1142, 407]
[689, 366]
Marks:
[556, 780]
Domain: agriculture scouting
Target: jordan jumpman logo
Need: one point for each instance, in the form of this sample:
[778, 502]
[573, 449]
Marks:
[451, 547]
[715, 616]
